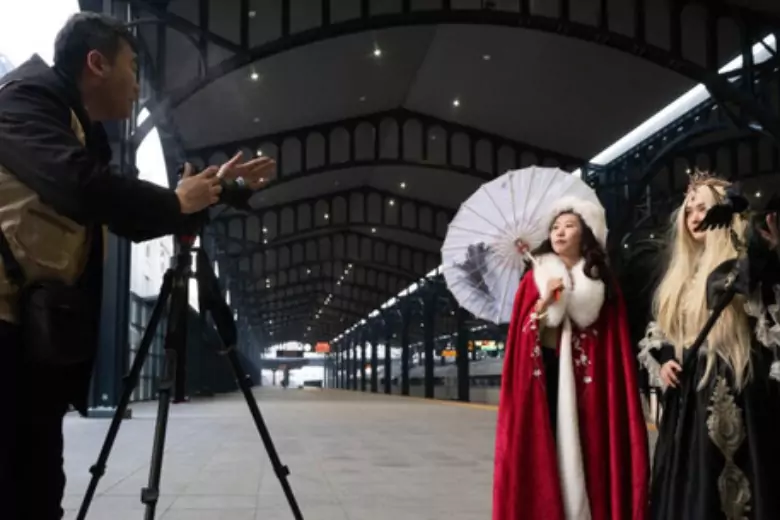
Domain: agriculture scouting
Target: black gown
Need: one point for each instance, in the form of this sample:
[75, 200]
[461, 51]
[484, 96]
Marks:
[718, 450]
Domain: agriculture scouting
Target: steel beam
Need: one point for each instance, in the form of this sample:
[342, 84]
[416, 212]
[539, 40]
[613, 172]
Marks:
[405, 124]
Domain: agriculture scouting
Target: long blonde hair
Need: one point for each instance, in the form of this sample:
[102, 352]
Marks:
[680, 302]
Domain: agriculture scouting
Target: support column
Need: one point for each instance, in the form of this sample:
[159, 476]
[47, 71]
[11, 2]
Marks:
[348, 367]
[462, 352]
[374, 335]
[326, 371]
[354, 369]
[341, 373]
[406, 312]
[362, 340]
[388, 357]
[429, 313]
[113, 348]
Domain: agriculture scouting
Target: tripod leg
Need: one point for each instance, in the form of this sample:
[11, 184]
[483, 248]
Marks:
[151, 493]
[175, 342]
[282, 472]
[128, 384]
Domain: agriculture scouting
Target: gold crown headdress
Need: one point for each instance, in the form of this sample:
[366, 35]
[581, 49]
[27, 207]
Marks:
[697, 178]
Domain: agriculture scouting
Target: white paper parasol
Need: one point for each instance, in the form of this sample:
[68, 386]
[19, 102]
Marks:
[481, 264]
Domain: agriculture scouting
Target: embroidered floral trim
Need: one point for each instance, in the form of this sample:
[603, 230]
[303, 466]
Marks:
[581, 360]
[532, 326]
[727, 431]
[654, 340]
[767, 328]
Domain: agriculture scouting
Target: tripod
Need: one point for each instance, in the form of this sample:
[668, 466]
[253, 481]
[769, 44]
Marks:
[174, 294]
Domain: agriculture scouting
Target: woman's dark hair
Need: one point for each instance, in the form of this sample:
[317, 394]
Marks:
[596, 264]
[85, 32]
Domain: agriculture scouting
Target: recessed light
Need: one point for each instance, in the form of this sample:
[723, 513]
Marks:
[259, 153]
[758, 194]
[456, 102]
[255, 76]
[391, 202]
[256, 120]
[373, 230]
[265, 230]
[486, 57]
[403, 185]
[327, 216]
[377, 52]
[362, 98]
[252, 14]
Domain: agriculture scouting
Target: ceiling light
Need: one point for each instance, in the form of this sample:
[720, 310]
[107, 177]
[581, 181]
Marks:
[327, 216]
[456, 102]
[255, 76]
[265, 241]
[308, 271]
[486, 57]
[256, 120]
[265, 230]
[403, 185]
[350, 266]
[758, 194]
[377, 52]
[373, 230]
[252, 14]
[259, 153]
[362, 98]
[391, 202]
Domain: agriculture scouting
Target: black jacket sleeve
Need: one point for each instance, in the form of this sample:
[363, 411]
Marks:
[39, 147]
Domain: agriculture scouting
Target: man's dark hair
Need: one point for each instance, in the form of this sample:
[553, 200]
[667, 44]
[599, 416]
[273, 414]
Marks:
[85, 32]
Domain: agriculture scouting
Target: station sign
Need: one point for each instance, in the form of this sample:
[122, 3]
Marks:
[289, 353]
[322, 347]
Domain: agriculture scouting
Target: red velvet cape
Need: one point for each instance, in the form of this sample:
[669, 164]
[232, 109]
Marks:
[613, 431]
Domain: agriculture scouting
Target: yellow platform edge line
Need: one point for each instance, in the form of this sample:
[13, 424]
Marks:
[476, 406]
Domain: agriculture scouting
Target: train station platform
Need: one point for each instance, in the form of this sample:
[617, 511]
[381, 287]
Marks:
[352, 456]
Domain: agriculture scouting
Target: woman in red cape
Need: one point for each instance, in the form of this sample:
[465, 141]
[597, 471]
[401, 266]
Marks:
[571, 439]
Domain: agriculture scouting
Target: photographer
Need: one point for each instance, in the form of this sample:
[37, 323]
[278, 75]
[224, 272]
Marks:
[57, 195]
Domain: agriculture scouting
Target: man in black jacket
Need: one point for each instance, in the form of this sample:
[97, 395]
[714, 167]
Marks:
[57, 193]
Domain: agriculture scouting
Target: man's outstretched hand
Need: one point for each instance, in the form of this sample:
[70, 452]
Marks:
[256, 173]
[197, 192]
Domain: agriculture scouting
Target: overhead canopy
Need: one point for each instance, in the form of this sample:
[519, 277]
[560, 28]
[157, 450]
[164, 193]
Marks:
[385, 115]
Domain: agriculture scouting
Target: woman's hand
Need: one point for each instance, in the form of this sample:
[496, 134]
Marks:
[772, 236]
[521, 247]
[669, 372]
[554, 289]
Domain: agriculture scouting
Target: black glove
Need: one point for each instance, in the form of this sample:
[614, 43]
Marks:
[720, 215]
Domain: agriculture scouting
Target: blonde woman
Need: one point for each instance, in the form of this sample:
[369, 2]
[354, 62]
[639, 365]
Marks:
[719, 438]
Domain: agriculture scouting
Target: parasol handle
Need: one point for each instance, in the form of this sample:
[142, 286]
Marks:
[530, 258]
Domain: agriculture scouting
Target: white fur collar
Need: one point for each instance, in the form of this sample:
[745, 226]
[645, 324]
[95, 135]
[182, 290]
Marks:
[582, 302]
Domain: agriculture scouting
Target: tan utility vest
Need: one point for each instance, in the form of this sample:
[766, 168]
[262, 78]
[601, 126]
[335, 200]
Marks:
[47, 245]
